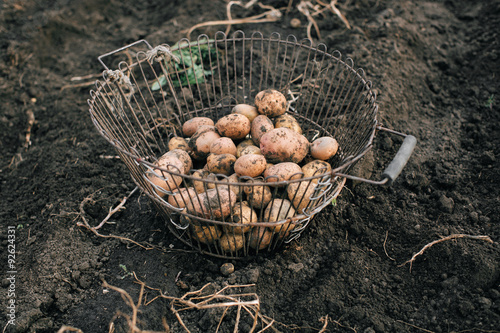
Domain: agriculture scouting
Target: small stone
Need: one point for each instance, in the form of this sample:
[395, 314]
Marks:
[295, 23]
[227, 269]
[446, 204]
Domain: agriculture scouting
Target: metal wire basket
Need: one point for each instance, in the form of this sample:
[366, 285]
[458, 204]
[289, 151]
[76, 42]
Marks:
[140, 106]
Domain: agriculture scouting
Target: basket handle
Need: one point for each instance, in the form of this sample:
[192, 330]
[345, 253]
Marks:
[397, 164]
[121, 49]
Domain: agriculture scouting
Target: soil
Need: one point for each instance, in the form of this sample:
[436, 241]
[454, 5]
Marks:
[435, 67]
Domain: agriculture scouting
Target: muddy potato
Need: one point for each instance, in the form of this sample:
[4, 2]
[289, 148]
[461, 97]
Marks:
[184, 157]
[235, 188]
[278, 210]
[260, 126]
[324, 148]
[271, 103]
[221, 164]
[202, 140]
[287, 121]
[300, 193]
[166, 180]
[250, 150]
[178, 143]
[242, 213]
[223, 146]
[214, 203]
[235, 126]
[206, 234]
[284, 145]
[191, 126]
[258, 196]
[259, 238]
[316, 168]
[201, 186]
[242, 145]
[248, 111]
[250, 165]
[181, 197]
[283, 171]
[232, 242]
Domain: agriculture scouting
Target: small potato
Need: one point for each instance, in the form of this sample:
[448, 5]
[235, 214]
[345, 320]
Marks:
[279, 210]
[271, 103]
[214, 203]
[221, 164]
[191, 126]
[244, 214]
[201, 186]
[248, 111]
[242, 145]
[184, 157]
[324, 148]
[223, 146]
[167, 181]
[300, 194]
[258, 196]
[250, 165]
[206, 234]
[284, 145]
[316, 168]
[283, 171]
[202, 140]
[181, 197]
[260, 126]
[232, 242]
[259, 238]
[250, 150]
[287, 121]
[178, 143]
[235, 126]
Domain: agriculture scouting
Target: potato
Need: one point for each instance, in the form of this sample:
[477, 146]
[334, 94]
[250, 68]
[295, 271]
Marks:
[300, 194]
[214, 203]
[200, 186]
[278, 210]
[316, 168]
[191, 126]
[184, 157]
[271, 103]
[324, 148]
[250, 165]
[283, 171]
[223, 145]
[284, 145]
[287, 121]
[244, 214]
[167, 181]
[206, 234]
[258, 196]
[242, 145]
[248, 111]
[250, 150]
[235, 188]
[260, 125]
[201, 141]
[181, 197]
[178, 143]
[221, 164]
[232, 242]
[259, 238]
[235, 126]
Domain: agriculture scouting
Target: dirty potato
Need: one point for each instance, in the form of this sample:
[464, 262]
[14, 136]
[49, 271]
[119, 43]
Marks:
[201, 186]
[235, 188]
[214, 203]
[223, 146]
[324, 148]
[191, 126]
[242, 213]
[221, 164]
[300, 194]
[235, 126]
[177, 142]
[206, 234]
[284, 145]
[166, 180]
[259, 238]
[287, 121]
[242, 145]
[250, 150]
[260, 126]
[271, 103]
[248, 111]
[258, 196]
[181, 197]
[201, 141]
[283, 171]
[232, 242]
[250, 165]
[279, 210]
[184, 157]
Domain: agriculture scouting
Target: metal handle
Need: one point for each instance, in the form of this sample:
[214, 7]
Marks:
[397, 164]
[121, 49]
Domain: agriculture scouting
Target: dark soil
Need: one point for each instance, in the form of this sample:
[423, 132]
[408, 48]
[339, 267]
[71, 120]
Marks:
[435, 67]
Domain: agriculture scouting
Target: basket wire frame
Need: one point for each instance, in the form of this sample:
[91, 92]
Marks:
[326, 95]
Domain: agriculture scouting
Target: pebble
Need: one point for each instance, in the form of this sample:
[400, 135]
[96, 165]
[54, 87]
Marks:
[227, 269]
[446, 204]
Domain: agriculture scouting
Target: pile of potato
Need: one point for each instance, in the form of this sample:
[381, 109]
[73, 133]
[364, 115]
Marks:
[257, 141]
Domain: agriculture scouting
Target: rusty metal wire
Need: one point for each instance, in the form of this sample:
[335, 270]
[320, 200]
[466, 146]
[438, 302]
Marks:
[327, 95]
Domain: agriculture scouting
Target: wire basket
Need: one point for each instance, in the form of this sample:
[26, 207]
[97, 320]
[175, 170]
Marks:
[140, 106]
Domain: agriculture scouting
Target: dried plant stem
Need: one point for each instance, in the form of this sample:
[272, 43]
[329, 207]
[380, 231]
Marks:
[453, 236]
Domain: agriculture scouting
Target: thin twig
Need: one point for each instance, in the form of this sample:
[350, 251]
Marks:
[385, 250]
[453, 236]
[117, 208]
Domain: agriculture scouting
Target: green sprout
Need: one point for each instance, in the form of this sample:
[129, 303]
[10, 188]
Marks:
[189, 69]
[334, 202]
[490, 101]
[20, 227]
[124, 268]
